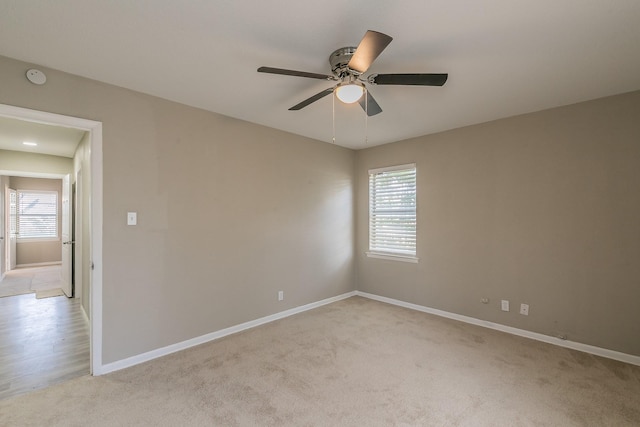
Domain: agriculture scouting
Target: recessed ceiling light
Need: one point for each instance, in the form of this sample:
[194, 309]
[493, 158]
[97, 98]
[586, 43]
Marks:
[29, 143]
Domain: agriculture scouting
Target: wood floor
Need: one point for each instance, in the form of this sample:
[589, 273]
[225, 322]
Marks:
[42, 342]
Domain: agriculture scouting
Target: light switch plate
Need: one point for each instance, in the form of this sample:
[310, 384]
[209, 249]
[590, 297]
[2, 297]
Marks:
[132, 218]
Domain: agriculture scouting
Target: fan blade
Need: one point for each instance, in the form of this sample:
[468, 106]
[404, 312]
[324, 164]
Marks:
[371, 106]
[314, 98]
[272, 70]
[371, 45]
[409, 79]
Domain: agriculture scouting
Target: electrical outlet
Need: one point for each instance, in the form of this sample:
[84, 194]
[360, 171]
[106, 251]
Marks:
[280, 295]
[505, 305]
[524, 309]
[484, 300]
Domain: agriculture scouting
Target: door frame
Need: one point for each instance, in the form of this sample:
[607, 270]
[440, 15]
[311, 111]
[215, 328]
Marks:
[95, 216]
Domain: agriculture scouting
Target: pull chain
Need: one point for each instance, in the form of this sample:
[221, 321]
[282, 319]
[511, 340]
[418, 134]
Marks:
[366, 116]
[333, 103]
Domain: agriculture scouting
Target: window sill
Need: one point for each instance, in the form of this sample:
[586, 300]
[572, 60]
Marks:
[393, 257]
[37, 239]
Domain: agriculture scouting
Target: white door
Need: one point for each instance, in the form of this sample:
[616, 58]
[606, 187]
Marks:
[3, 232]
[67, 243]
[13, 229]
[77, 237]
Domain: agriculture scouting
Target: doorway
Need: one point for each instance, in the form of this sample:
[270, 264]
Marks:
[36, 216]
[92, 219]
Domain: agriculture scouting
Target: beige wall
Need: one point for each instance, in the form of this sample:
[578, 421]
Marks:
[228, 213]
[40, 251]
[31, 163]
[540, 209]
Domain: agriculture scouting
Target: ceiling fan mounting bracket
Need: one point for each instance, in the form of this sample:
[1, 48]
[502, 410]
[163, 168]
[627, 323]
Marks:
[339, 61]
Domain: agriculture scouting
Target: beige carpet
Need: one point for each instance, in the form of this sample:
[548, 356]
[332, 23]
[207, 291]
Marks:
[356, 362]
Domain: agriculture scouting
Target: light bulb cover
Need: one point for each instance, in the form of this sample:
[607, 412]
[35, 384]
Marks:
[349, 92]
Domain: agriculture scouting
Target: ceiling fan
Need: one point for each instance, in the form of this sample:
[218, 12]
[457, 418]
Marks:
[348, 64]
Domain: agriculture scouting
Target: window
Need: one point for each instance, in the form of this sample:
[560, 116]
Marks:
[392, 212]
[37, 214]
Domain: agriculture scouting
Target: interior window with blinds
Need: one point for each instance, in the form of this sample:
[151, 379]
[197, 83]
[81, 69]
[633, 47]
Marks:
[37, 214]
[392, 211]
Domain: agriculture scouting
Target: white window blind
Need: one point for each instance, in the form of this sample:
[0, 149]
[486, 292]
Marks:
[392, 210]
[37, 214]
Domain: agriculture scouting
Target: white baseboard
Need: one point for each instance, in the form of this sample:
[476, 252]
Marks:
[598, 351]
[84, 314]
[154, 354]
[38, 264]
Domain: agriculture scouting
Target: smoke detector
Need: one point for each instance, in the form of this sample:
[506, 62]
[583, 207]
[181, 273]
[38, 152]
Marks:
[36, 77]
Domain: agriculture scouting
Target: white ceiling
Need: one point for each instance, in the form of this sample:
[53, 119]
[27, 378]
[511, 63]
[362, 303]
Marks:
[504, 57]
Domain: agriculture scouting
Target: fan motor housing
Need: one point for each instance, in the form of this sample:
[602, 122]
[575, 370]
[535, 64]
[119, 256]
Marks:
[339, 61]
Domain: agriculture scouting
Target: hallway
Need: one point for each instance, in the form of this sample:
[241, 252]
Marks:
[42, 342]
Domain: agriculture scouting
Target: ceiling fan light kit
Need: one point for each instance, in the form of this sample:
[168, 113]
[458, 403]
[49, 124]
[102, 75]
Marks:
[348, 64]
[349, 92]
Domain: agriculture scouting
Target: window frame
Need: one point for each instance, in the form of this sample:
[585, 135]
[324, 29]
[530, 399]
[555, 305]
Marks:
[57, 217]
[390, 254]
